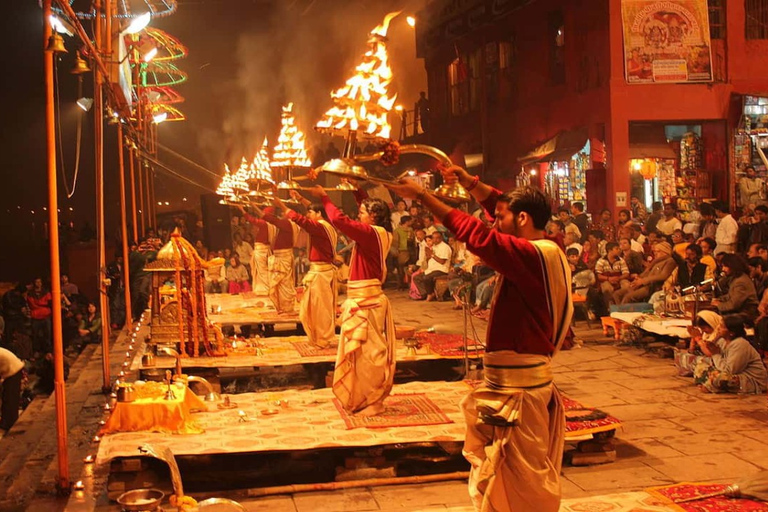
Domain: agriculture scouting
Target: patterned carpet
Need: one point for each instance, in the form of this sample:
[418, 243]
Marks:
[400, 411]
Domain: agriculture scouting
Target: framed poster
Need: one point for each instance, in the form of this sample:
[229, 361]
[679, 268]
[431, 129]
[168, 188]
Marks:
[666, 41]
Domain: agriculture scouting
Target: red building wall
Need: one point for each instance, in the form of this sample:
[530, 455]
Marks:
[595, 93]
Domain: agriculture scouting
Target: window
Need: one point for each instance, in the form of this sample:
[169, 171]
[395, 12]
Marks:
[457, 86]
[716, 19]
[756, 19]
[556, 48]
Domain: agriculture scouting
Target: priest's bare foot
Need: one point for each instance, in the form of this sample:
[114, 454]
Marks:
[372, 410]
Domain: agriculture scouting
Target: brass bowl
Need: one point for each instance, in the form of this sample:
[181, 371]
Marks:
[345, 169]
[140, 499]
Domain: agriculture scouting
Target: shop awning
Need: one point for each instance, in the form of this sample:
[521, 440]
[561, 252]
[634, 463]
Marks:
[561, 147]
[649, 141]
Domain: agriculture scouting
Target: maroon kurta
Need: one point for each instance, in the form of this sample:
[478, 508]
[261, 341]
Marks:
[284, 237]
[320, 246]
[520, 318]
[261, 234]
[367, 261]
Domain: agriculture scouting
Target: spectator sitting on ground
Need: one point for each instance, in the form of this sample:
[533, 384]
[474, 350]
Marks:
[670, 222]
[625, 219]
[582, 278]
[483, 296]
[740, 299]
[202, 250]
[215, 276]
[689, 271]
[633, 258]
[237, 276]
[758, 274]
[679, 244]
[90, 325]
[570, 241]
[732, 365]
[438, 261]
[643, 286]
[754, 250]
[612, 273]
[68, 289]
[556, 228]
[606, 225]
[708, 253]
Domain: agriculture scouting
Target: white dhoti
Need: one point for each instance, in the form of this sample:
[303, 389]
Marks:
[260, 269]
[317, 310]
[282, 292]
[365, 362]
[515, 435]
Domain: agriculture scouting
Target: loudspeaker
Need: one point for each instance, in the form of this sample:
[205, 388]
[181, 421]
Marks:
[217, 232]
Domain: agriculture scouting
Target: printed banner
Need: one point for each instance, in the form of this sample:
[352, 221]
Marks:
[666, 41]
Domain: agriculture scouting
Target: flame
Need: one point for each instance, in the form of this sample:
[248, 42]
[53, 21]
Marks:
[260, 169]
[240, 178]
[364, 102]
[225, 187]
[290, 150]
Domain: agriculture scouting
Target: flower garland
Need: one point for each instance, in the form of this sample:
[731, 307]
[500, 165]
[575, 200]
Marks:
[391, 153]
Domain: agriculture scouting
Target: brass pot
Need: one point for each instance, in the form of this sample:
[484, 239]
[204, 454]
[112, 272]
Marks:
[148, 359]
[126, 393]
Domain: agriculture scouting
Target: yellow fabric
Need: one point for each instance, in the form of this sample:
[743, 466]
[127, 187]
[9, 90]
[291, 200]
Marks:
[282, 292]
[333, 236]
[515, 437]
[557, 275]
[365, 361]
[317, 310]
[260, 268]
[156, 414]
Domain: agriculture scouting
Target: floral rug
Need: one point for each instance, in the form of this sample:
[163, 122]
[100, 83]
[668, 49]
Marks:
[671, 493]
[399, 411]
[449, 345]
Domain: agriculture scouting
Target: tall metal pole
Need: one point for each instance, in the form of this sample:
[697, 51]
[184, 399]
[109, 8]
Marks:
[153, 204]
[132, 164]
[59, 390]
[124, 229]
[142, 210]
[98, 131]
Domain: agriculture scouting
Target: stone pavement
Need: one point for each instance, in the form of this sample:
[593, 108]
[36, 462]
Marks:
[672, 432]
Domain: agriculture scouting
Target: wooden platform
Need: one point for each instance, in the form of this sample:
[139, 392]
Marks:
[245, 309]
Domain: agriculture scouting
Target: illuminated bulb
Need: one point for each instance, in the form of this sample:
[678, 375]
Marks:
[533, 172]
[96, 439]
[150, 54]
[102, 423]
[130, 347]
[88, 459]
[159, 118]
[411, 21]
[78, 486]
[122, 373]
[125, 364]
[138, 24]
[127, 354]
[107, 407]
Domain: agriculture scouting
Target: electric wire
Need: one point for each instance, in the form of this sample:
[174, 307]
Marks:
[70, 192]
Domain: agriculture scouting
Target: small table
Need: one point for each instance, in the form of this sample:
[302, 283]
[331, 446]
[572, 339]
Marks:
[154, 413]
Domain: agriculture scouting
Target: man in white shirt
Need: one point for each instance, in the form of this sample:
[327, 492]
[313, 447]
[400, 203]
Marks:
[429, 225]
[727, 229]
[422, 241]
[398, 213]
[669, 223]
[438, 264]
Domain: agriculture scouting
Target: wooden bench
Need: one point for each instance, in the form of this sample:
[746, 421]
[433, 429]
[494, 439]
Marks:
[612, 323]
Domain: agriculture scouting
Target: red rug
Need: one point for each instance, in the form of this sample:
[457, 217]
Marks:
[399, 411]
[581, 419]
[306, 349]
[672, 493]
[449, 345]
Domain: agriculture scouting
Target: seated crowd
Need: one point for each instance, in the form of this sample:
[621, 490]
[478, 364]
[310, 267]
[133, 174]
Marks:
[658, 259]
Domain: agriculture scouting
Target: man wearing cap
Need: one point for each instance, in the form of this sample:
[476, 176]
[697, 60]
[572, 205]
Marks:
[651, 280]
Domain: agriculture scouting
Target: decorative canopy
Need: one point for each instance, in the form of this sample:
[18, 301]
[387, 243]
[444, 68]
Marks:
[160, 74]
[126, 9]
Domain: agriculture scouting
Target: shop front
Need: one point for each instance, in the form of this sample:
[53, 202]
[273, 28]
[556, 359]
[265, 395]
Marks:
[676, 163]
[750, 144]
[560, 166]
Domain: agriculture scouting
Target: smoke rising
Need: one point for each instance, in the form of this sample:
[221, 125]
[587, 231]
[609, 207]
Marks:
[300, 51]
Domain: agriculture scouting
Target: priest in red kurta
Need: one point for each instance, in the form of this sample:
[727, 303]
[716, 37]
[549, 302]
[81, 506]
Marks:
[317, 309]
[264, 235]
[365, 362]
[282, 291]
[515, 419]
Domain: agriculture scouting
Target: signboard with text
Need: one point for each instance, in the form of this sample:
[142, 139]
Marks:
[666, 41]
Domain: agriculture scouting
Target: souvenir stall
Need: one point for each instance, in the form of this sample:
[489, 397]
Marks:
[750, 142]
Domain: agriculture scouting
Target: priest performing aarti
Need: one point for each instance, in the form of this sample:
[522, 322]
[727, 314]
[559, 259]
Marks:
[282, 291]
[263, 237]
[317, 309]
[365, 362]
[515, 418]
